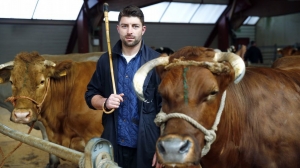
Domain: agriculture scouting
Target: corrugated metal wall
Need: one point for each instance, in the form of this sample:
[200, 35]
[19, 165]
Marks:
[46, 39]
[278, 31]
[53, 39]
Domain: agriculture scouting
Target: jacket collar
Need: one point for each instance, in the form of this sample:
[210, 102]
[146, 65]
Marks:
[117, 49]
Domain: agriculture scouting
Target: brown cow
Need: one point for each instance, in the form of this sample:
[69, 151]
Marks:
[288, 51]
[287, 62]
[216, 116]
[54, 94]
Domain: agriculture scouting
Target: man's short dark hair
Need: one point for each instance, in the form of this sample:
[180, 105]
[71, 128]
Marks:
[252, 42]
[132, 11]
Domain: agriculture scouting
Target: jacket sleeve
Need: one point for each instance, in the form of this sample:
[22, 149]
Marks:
[94, 87]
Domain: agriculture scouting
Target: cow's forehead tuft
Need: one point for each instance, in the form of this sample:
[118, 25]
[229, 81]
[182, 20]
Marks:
[194, 53]
[29, 57]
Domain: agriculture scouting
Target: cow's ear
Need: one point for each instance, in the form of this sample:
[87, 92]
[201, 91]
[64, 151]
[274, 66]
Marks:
[61, 69]
[4, 75]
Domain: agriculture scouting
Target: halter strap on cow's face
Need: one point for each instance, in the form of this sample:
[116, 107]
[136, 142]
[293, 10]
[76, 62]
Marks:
[13, 99]
[210, 135]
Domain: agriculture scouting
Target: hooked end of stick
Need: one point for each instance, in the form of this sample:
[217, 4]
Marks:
[105, 7]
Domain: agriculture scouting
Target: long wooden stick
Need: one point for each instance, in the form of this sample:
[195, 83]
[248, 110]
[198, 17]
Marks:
[105, 9]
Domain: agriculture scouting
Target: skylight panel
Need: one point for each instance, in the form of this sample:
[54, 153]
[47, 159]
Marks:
[58, 9]
[179, 12]
[17, 9]
[251, 20]
[113, 16]
[208, 13]
[154, 12]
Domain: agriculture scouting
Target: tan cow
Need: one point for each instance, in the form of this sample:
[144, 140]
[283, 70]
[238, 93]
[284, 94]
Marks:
[287, 63]
[53, 93]
[288, 51]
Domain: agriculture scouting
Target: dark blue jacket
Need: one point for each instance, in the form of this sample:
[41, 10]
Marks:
[101, 84]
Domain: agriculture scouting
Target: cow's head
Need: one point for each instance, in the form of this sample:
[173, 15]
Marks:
[30, 79]
[287, 51]
[193, 85]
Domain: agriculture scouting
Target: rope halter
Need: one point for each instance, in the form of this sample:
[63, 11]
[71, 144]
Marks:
[13, 99]
[210, 135]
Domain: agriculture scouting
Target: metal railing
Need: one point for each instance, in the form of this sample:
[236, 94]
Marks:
[97, 151]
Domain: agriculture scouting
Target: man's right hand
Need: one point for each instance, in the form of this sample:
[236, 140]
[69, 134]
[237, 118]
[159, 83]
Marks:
[114, 101]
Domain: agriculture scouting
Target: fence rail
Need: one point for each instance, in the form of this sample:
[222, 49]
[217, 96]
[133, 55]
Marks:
[98, 152]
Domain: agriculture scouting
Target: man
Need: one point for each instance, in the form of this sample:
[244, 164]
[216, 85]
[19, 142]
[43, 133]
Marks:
[253, 54]
[130, 128]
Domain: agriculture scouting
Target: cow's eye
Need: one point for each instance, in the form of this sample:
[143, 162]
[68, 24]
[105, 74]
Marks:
[10, 81]
[42, 82]
[211, 95]
[214, 92]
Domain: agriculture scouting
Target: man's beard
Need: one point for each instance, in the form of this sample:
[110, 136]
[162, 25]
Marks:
[132, 43]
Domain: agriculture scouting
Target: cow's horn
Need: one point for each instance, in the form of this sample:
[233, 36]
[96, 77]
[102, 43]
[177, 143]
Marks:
[49, 63]
[236, 62]
[10, 63]
[141, 74]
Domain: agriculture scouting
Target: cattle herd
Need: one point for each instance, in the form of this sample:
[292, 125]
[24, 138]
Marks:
[216, 113]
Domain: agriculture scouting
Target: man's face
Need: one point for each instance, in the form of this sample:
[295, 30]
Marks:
[131, 31]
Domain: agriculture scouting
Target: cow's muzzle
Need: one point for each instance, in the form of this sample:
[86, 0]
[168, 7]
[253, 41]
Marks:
[22, 116]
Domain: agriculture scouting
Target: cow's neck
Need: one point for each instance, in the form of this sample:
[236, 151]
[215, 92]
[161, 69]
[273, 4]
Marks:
[229, 130]
[54, 107]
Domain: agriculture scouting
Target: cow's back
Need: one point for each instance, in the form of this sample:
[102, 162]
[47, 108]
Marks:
[287, 63]
[78, 57]
[260, 120]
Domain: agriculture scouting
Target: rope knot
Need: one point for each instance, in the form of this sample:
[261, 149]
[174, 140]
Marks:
[12, 100]
[211, 136]
[160, 118]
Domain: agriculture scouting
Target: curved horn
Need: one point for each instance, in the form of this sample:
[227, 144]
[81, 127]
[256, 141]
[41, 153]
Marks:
[141, 74]
[236, 62]
[10, 63]
[217, 50]
[49, 63]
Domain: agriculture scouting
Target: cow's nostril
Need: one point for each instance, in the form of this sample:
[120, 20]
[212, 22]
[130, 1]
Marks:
[185, 147]
[160, 147]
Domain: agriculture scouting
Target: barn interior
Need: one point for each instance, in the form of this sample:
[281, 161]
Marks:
[272, 24]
